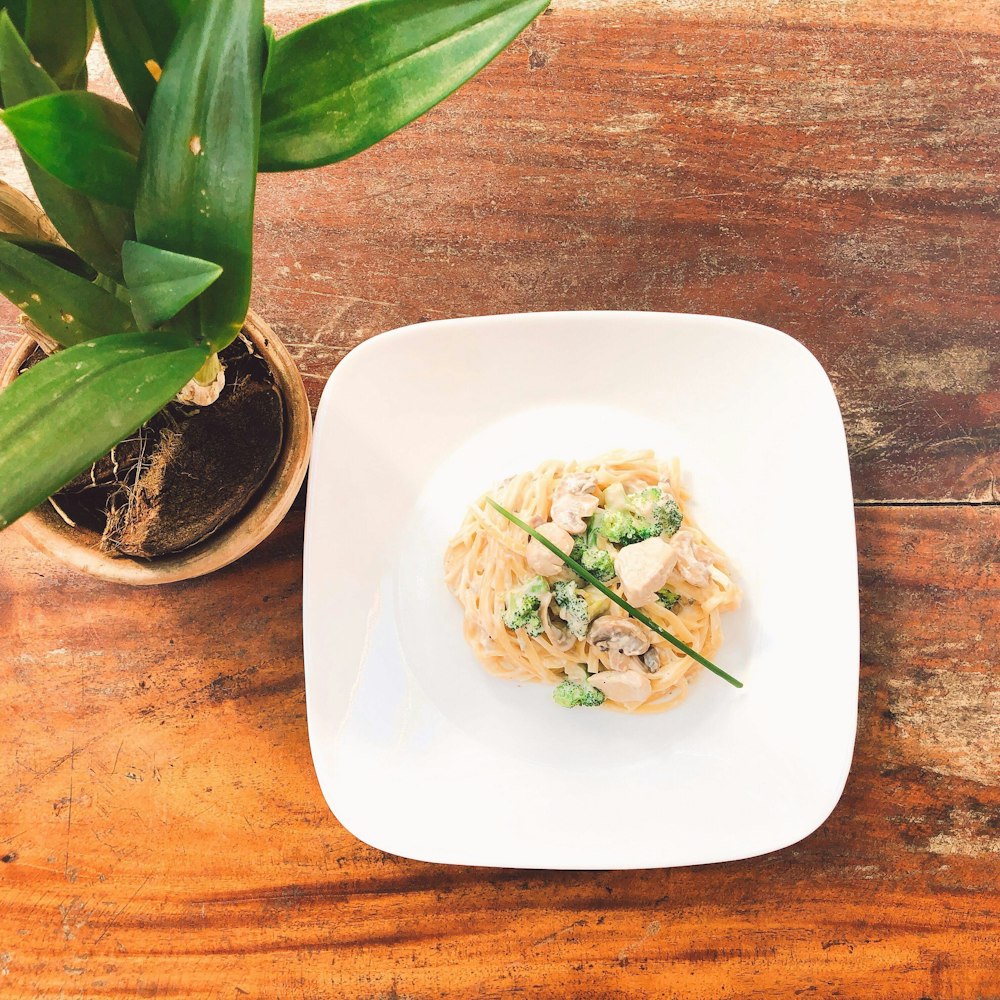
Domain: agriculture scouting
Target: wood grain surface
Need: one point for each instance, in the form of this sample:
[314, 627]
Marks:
[164, 834]
[828, 167]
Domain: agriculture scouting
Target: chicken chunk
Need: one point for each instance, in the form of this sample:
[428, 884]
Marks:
[694, 561]
[629, 688]
[540, 559]
[643, 569]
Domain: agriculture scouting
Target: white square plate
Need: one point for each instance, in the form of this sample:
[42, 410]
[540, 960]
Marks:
[420, 752]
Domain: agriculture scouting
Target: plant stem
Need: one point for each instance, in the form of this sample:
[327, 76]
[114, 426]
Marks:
[207, 384]
[209, 371]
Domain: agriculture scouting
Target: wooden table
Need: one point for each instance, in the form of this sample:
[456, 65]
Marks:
[828, 167]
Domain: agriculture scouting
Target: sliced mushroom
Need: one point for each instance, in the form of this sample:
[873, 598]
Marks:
[694, 561]
[651, 660]
[570, 511]
[577, 482]
[630, 688]
[643, 569]
[540, 559]
[573, 501]
[622, 639]
[561, 638]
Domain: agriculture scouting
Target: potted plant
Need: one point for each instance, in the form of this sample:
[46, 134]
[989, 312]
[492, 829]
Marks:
[166, 426]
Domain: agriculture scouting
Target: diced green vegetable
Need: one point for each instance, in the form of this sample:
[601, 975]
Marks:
[572, 694]
[668, 598]
[593, 558]
[645, 514]
[578, 608]
[523, 605]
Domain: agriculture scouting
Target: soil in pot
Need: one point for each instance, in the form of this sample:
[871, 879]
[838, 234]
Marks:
[186, 472]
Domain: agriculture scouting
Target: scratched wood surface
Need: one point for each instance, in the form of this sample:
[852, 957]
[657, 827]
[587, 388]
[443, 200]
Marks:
[828, 167]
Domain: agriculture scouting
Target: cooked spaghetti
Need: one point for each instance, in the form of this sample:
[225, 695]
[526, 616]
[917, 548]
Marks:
[624, 518]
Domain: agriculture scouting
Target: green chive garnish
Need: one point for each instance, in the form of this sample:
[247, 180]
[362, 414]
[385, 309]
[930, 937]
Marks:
[612, 596]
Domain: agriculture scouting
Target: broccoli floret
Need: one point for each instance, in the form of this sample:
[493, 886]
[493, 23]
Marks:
[643, 499]
[596, 560]
[599, 563]
[669, 515]
[659, 507]
[578, 608]
[668, 598]
[572, 606]
[569, 694]
[622, 527]
[646, 514]
[523, 605]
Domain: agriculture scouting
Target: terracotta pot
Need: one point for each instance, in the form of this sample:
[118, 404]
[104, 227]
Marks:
[78, 547]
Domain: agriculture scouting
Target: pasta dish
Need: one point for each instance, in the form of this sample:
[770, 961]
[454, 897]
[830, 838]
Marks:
[624, 518]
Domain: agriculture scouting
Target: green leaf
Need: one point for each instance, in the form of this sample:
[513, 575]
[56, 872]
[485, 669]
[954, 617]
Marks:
[59, 34]
[112, 287]
[55, 253]
[63, 305]
[137, 36]
[80, 83]
[94, 230]
[163, 283]
[73, 407]
[17, 10]
[270, 40]
[198, 165]
[89, 143]
[342, 83]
